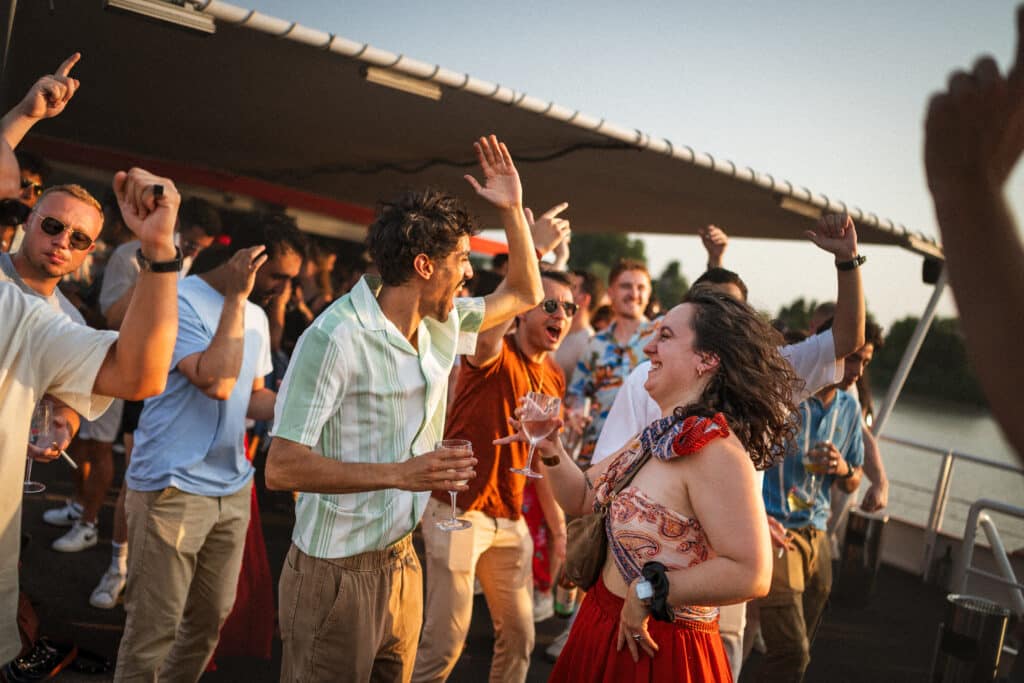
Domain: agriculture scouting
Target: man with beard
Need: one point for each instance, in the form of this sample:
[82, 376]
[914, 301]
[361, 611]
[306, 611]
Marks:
[189, 481]
[361, 410]
[497, 548]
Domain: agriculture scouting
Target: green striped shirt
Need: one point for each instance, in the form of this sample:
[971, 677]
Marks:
[357, 391]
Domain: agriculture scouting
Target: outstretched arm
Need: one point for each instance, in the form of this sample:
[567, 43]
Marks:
[45, 99]
[974, 135]
[503, 190]
[137, 363]
[837, 235]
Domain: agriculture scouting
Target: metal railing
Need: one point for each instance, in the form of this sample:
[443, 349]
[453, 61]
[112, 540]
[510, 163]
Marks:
[940, 492]
[963, 566]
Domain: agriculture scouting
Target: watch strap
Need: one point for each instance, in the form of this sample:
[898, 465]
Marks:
[855, 262]
[172, 266]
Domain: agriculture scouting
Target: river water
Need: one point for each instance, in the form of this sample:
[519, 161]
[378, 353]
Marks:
[913, 473]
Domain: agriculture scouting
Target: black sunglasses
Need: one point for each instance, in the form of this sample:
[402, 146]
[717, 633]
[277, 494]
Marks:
[13, 212]
[78, 240]
[550, 306]
[37, 188]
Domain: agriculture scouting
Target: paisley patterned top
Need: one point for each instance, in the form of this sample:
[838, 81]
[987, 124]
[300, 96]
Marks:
[641, 530]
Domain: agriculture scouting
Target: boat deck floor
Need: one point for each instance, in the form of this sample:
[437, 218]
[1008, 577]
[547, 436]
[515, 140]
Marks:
[890, 639]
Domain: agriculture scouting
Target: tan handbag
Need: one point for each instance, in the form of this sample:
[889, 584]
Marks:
[586, 542]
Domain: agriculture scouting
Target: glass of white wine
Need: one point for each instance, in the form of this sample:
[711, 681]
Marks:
[538, 418]
[454, 523]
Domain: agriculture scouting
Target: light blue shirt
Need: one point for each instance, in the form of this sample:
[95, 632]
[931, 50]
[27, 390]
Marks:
[838, 423]
[186, 439]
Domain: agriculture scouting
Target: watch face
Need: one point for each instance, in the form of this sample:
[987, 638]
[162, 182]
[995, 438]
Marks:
[644, 590]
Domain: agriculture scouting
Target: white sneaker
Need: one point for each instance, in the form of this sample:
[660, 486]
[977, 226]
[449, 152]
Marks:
[105, 594]
[82, 535]
[63, 516]
[555, 648]
[543, 606]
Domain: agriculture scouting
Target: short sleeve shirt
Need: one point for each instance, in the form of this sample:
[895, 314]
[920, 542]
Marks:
[41, 352]
[186, 439]
[57, 300]
[357, 391]
[839, 423]
[600, 372]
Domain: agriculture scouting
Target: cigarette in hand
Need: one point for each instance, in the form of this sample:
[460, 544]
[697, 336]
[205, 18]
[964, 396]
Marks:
[64, 454]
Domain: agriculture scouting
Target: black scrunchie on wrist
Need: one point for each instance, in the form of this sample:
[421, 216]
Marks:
[655, 573]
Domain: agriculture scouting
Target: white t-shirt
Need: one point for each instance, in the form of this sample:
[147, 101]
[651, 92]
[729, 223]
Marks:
[813, 359]
[41, 352]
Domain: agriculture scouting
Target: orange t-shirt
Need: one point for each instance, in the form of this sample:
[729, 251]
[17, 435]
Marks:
[485, 398]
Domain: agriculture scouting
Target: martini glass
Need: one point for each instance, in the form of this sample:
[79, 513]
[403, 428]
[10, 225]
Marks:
[539, 418]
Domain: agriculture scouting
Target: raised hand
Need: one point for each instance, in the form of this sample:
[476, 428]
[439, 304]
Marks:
[242, 270]
[549, 230]
[50, 94]
[974, 132]
[501, 187]
[836, 234]
[715, 242]
[149, 206]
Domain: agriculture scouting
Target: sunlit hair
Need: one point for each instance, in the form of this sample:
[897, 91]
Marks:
[76, 191]
[722, 276]
[417, 222]
[753, 384]
[625, 265]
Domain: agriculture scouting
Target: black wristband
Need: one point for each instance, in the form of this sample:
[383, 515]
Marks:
[849, 472]
[655, 573]
[855, 262]
[172, 266]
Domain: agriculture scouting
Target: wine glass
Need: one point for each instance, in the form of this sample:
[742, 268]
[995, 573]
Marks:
[40, 434]
[464, 446]
[539, 417]
[804, 496]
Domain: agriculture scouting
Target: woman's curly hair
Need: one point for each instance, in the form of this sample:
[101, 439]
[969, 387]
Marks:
[416, 222]
[753, 384]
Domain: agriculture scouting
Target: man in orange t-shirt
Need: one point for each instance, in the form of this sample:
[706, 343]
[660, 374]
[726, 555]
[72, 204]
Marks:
[497, 549]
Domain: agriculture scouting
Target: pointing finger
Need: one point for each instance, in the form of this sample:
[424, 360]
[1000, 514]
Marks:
[529, 216]
[65, 68]
[555, 210]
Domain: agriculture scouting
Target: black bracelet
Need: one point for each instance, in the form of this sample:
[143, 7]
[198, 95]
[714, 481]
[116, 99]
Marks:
[855, 262]
[655, 573]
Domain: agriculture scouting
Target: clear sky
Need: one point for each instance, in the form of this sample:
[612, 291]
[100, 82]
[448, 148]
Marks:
[826, 94]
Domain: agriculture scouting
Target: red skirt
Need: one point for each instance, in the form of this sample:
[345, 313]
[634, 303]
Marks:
[687, 651]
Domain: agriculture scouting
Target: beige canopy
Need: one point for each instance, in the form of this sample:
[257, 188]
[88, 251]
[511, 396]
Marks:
[287, 114]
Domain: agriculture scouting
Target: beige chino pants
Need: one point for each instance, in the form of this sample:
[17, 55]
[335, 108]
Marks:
[186, 554]
[500, 553]
[351, 619]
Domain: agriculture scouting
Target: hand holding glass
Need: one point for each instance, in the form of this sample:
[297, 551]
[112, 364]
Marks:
[463, 447]
[40, 435]
[815, 463]
[538, 418]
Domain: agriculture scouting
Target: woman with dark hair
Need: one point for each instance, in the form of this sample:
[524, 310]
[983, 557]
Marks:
[689, 529]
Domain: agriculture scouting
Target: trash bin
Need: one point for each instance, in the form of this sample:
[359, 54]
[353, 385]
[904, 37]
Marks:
[860, 558]
[970, 640]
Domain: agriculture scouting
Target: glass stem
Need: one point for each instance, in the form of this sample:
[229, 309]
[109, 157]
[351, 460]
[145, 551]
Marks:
[453, 494]
[529, 455]
[28, 470]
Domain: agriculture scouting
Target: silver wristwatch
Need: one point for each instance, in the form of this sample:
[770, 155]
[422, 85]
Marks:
[644, 591]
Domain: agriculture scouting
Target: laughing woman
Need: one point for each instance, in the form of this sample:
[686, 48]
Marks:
[689, 530]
